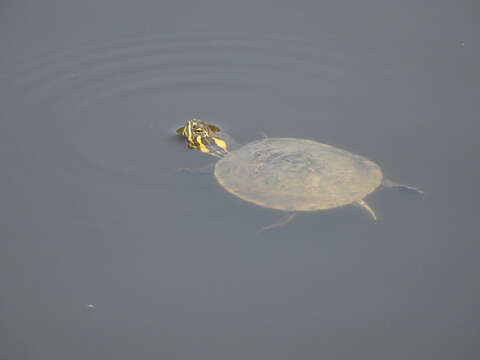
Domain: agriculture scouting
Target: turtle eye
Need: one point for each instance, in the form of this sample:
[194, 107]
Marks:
[198, 131]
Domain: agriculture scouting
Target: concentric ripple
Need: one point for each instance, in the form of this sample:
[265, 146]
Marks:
[113, 106]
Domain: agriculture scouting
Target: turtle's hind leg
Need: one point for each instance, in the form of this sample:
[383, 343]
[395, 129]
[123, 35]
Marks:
[391, 184]
[284, 220]
[362, 204]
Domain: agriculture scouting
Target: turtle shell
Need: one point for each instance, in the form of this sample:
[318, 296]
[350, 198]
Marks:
[297, 174]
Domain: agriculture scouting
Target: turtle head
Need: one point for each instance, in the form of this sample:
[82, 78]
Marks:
[202, 136]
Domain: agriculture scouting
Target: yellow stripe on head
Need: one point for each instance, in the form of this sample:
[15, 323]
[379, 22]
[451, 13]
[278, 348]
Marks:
[201, 147]
[220, 143]
[188, 129]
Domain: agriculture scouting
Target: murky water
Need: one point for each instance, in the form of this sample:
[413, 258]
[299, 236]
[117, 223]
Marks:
[107, 251]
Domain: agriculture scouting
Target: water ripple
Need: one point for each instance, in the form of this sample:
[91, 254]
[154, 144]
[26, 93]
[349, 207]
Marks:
[114, 105]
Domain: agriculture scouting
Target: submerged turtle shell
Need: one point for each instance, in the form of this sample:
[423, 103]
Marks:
[297, 174]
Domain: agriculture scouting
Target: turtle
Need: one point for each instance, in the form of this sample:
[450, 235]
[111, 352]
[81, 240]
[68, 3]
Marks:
[289, 174]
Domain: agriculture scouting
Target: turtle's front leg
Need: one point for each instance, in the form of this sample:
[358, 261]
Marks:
[284, 220]
[207, 169]
[391, 184]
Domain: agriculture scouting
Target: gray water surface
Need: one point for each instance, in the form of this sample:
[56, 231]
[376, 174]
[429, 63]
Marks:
[107, 251]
